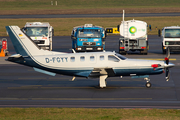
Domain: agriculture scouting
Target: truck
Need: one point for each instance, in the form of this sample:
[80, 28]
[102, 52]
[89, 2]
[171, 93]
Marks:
[41, 33]
[170, 37]
[88, 37]
[133, 36]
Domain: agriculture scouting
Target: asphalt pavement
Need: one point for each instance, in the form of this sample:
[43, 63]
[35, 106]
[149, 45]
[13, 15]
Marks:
[21, 86]
[88, 15]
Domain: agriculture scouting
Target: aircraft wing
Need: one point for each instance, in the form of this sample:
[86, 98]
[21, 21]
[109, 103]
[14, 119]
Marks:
[102, 71]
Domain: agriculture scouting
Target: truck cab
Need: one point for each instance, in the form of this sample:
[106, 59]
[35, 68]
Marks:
[88, 38]
[170, 38]
[41, 33]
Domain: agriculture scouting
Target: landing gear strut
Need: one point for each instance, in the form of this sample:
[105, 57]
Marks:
[102, 81]
[148, 84]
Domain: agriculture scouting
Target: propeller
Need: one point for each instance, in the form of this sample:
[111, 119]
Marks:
[167, 62]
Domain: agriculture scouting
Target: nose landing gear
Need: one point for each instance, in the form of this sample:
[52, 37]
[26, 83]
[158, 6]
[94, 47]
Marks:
[148, 84]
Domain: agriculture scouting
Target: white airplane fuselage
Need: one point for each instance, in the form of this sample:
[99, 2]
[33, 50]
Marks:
[83, 64]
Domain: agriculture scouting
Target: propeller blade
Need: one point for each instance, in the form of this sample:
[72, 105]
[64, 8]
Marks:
[167, 62]
[167, 52]
[167, 74]
[168, 55]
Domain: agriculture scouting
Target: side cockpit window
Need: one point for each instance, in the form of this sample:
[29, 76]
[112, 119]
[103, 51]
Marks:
[113, 58]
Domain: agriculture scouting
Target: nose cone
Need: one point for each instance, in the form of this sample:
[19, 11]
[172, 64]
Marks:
[169, 65]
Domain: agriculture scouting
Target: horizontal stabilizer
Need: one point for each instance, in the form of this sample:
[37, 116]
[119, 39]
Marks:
[45, 72]
[15, 58]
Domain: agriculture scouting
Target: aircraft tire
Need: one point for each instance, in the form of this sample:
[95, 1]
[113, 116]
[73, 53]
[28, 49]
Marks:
[148, 84]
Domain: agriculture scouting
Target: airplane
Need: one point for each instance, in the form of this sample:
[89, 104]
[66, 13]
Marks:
[89, 64]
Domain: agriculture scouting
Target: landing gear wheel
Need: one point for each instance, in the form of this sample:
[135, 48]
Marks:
[148, 84]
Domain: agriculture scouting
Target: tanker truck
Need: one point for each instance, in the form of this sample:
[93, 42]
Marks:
[133, 36]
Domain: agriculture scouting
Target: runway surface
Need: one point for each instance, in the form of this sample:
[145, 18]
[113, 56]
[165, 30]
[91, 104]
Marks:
[21, 86]
[88, 15]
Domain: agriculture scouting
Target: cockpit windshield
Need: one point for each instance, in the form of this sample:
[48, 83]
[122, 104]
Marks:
[92, 33]
[120, 56]
[37, 31]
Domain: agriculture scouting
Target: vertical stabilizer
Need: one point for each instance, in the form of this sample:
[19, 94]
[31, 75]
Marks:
[22, 43]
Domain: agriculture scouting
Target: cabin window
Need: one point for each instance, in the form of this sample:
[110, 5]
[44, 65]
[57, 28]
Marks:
[113, 58]
[72, 59]
[101, 57]
[91, 58]
[82, 58]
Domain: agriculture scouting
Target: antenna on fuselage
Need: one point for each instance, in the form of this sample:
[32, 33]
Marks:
[73, 51]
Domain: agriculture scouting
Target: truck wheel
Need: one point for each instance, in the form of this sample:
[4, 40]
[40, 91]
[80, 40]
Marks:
[164, 51]
[123, 52]
[50, 49]
[144, 52]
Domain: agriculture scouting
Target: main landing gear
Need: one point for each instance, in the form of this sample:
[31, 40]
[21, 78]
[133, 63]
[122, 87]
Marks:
[148, 84]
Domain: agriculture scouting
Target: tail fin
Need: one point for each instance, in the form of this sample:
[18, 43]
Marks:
[22, 44]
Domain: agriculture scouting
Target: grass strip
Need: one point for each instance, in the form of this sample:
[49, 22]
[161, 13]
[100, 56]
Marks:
[9, 7]
[83, 4]
[87, 114]
[98, 10]
[64, 26]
